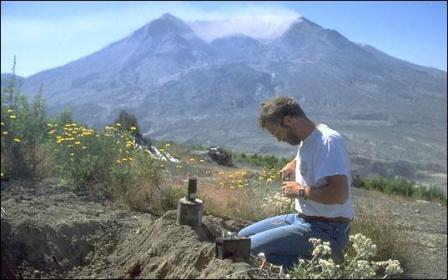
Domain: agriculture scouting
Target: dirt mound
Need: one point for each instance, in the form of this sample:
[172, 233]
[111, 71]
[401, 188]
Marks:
[48, 232]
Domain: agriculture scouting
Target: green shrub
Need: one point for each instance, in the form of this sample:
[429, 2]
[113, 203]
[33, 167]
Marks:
[261, 161]
[127, 122]
[404, 187]
[23, 130]
[82, 156]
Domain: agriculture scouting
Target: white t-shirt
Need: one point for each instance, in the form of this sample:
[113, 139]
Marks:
[323, 153]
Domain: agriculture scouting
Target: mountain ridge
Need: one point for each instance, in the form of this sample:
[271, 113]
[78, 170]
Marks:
[184, 89]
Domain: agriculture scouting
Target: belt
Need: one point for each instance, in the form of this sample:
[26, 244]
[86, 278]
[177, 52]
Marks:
[339, 220]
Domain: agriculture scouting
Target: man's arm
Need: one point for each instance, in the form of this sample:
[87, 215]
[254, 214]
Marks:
[288, 171]
[334, 192]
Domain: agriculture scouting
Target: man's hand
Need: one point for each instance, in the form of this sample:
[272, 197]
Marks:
[335, 191]
[291, 189]
[288, 172]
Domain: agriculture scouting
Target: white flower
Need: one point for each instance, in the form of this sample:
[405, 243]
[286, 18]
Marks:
[328, 267]
[315, 241]
[322, 250]
[363, 270]
[363, 246]
[392, 267]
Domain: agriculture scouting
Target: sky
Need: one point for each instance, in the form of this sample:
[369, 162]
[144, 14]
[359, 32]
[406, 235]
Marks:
[44, 35]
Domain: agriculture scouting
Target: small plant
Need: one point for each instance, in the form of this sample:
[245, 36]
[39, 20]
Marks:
[359, 266]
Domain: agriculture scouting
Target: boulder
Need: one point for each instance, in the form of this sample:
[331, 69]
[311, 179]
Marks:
[220, 156]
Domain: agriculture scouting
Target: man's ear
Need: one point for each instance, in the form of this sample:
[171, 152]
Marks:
[288, 120]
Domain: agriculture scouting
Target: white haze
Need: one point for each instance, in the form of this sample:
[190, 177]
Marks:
[261, 26]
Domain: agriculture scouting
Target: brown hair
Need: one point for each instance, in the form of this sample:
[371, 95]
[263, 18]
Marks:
[273, 110]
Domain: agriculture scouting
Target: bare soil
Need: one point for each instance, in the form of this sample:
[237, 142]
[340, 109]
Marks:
[51, 232]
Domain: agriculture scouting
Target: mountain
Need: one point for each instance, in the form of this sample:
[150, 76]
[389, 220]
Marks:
[184, 89]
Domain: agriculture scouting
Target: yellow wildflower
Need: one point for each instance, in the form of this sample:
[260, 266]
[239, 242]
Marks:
[12, 117]
[167, 145]
[118, 161]
[77, 142]
[17, 140]
[117, 124]
[72, 154]
[3, 124]
[10, 111]
[84, 147]
[5, 132]
[201, 161]
[133, 128]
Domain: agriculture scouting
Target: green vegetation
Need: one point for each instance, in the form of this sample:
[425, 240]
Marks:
[260, 160]
[23, 128]
[403, 187]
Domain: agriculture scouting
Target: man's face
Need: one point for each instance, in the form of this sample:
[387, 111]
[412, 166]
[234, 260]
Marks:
[285, 134]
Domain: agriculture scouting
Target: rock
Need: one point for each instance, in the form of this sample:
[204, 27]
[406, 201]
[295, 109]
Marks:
[220, 156]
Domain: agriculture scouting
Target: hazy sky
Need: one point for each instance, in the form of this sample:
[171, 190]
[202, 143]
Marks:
[45, 35]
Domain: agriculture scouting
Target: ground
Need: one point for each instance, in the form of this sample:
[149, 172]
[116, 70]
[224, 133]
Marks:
[51, 232]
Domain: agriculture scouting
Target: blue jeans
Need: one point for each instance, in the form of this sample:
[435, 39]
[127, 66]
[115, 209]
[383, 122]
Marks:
[283, 239]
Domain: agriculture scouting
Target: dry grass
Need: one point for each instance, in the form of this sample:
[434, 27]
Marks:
[376, 224]
[222, 201]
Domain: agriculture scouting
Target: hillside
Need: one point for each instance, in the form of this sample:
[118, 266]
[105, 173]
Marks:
[51, 232]
[182, 88]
